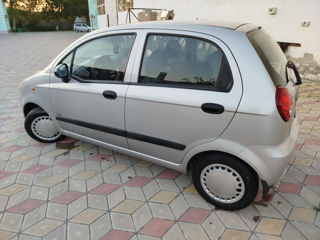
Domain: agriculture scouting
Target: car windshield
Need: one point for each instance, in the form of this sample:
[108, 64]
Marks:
[271, 55]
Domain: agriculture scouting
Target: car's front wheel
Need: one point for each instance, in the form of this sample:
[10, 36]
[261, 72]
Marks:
[225, 181]
[40, 127]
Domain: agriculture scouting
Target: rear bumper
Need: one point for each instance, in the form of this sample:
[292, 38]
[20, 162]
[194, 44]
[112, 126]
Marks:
[272, 161]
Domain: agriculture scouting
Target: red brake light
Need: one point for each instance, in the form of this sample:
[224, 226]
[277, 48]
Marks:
[283, 101]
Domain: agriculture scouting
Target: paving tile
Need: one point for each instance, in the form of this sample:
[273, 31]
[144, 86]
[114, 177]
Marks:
[213, 226]
[6, 235]
[310, 231]
[11, 222]
[310, 196]
[164, 197]
[13, 189]
[117, 235]
[195, 215]
[286, 187]
[100, 157]
[40, 193]
[49, 182]
[303, 161]
[271, 226]
[33, 217]
[77, 232]
[115, 198]
[4, 174]
[36, 169]
[193, 231]
[12, 148]
[121, 221]
[162, 211]
[191, 189]
[235, 235]
[173, 233]
[100, 227]
[128, 206]
[88, 216]
[179, 206]
[77, 206]
[97, 201]
[303, 214]
[138, 181]
[57, 211]
[169, 174]
[312, 180]
[67, 197]
[26, 206]
[134, 193]
[231, 220]
[69, 163]
[143, 164]
[141, 217]
[85, 175]
[117, 168]
[105, 189]
[56, 152]
[290, 232]
[156, 227]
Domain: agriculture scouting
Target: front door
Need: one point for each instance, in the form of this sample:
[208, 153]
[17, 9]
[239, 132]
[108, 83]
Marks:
[185, 94]
[92, 102]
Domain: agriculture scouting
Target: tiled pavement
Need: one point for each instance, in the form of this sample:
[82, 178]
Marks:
[75, 190]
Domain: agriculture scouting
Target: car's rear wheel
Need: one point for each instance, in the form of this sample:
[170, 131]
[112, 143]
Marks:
[225, 181]
[40, 127]
[76, 30]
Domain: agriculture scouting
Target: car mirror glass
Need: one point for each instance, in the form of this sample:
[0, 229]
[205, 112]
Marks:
[61, 71]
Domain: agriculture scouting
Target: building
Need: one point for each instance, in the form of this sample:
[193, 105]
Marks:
[4, 19]
[295, 23]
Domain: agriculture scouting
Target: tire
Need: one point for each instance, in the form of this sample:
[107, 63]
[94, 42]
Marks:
[225, 170]
[89, 30]
[76, 30]
[40, 127]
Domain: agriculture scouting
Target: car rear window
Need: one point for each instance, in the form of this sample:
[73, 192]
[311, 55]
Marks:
[271, 55]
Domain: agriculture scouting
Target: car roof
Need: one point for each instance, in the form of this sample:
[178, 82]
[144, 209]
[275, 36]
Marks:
[201, 25]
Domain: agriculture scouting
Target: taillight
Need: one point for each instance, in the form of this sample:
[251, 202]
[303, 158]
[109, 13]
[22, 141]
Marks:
[283, 101]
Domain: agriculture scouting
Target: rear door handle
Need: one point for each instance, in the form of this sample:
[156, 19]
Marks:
[109, 94]
[212, 108]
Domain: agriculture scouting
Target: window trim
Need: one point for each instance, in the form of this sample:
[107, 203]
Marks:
[73, 52]
[194, 87]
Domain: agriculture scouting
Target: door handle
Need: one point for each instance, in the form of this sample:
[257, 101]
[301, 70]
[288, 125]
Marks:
[109, 94]
[212, 108]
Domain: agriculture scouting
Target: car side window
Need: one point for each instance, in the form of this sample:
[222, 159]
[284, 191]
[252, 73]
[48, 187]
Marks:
[103, 59]
[181, 61]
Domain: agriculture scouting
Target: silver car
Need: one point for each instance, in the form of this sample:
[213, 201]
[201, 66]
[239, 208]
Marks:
[216, 99]
[81, 27]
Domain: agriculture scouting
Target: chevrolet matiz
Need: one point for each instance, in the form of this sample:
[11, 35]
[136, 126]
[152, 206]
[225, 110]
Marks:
[218, 99]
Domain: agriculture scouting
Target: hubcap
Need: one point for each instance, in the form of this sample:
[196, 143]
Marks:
[44, 128]
[222, 183]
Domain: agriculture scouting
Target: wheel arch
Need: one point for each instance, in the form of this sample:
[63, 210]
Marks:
[196, 157]
[28, 107]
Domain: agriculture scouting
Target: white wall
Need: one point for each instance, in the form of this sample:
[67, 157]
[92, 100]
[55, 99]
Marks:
[284, 26]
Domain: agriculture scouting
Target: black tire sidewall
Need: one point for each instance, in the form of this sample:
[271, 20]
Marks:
[249, 177]
[37, 112]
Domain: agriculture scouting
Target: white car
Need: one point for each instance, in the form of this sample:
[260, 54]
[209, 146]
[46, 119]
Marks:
[81, 27]
[219, 100]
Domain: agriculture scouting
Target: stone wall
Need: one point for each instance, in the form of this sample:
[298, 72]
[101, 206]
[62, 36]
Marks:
[308, 67]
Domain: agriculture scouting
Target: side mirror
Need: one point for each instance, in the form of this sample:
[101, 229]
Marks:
[61, 71]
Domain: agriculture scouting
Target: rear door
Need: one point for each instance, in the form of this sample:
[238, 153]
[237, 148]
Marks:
[184, 91]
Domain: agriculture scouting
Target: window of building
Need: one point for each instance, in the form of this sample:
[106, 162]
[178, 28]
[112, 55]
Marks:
[101, 8]
[180, 61]
[124, 5]
[103, 59]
